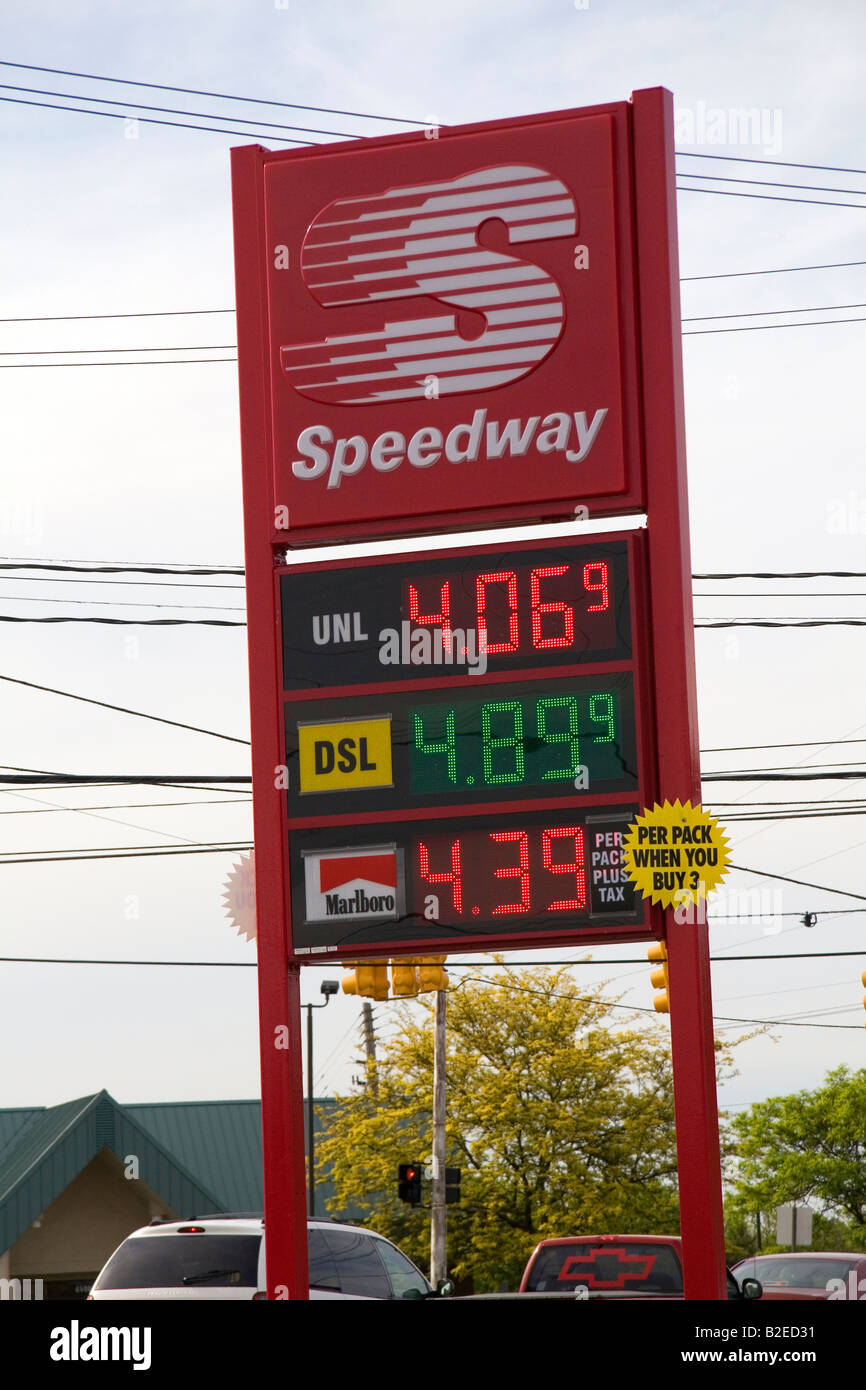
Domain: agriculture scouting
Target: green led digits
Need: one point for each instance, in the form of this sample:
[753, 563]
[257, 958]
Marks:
[513, 741]
[601, 712]
[477, 748]
[568, 735]
[448, 747]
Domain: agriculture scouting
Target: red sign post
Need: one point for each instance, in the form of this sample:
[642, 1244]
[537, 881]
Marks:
[439, 334]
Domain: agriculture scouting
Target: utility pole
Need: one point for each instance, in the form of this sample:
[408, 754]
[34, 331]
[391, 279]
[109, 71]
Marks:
[437, 1188]
[370, 1048]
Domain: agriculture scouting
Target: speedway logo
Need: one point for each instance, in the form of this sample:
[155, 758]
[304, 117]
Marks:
[572, 434]
[421, 241]
[363, 884]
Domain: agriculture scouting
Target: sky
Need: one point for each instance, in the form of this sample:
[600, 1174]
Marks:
[109, 215]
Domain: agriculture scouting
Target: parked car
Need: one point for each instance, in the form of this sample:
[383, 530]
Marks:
[616, 1266]
[219, 1257]
[808, 1274]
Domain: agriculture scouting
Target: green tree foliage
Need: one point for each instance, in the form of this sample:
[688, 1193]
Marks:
[559, 1115]
[810, 1146]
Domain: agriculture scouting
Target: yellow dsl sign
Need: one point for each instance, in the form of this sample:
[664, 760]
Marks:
[350, 753]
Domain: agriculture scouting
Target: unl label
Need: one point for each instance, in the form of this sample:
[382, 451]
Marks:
[358, 883]
[348, 754]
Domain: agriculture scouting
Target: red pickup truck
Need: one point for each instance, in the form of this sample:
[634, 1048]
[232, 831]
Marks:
[615, 1266]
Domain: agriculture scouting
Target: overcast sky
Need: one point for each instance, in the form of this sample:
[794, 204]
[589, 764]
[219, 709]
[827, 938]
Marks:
[142, 464]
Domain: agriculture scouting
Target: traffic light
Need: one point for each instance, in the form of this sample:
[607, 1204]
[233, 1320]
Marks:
[369, 979]
[404, 979]
[452, 1185]
[409, 1183]
[659, 978]
[863, 978]
[431, 974]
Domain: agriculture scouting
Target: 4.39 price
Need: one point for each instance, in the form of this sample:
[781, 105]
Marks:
[486, 874]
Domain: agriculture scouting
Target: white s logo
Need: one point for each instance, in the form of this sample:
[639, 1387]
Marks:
[422, 241]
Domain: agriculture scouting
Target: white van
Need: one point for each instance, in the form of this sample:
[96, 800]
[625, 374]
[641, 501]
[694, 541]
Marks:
[218, 1257]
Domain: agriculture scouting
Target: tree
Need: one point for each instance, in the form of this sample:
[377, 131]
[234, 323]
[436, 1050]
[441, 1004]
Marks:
[560, 1116]
[810, 1146]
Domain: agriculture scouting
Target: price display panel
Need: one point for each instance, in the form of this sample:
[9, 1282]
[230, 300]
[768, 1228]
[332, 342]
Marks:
[469, 612]
[498, 743]
[453, 879]
[463, 747]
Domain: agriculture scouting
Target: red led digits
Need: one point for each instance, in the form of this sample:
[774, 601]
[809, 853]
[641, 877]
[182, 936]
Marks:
[441, 619]
[520, 870]
[454, 878]
[503, 577]
[578, 868]
[566, 638]
[602, 587]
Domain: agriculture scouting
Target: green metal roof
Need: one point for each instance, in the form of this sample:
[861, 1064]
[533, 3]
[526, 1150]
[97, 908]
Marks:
[198, 1156]
[54, 1145]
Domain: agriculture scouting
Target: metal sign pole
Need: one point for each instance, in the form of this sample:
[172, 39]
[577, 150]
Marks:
[692, 1042]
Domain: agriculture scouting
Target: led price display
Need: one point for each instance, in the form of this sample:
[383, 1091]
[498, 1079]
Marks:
[517, 740]
[509, 741]
[534, 873]
[530, 607]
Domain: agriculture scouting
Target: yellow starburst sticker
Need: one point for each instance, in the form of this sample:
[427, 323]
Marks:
[675, 854]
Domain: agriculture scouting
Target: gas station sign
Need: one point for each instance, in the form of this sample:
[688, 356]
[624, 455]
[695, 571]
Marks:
[476, 710]
[449, 747]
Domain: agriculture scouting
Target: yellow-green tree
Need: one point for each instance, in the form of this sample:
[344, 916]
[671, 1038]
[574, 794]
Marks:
[559, 1113]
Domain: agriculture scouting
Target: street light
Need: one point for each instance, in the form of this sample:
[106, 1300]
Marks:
[327, 987]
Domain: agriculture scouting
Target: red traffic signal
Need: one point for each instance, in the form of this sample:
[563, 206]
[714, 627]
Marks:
[409, 1183]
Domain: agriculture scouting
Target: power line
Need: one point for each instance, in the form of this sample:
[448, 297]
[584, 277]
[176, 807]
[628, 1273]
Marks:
[785, 574]
[821, 888]
[775, 163]
[221, 96]
[713, 178]
[153, 120]
[161, 584]
[196, 347]
[695, 332]
[207, 115]
[224, 347]
[116, 603]
[760, 776]
[761, 747]
[697, 318]
[723, 275]
[150, 853]
[54, 810]
[129, 622]
[26, 777]
[737, 622]
[169, 313]
[719, 192]
[121, 709]
[119, 567]
[182, 313]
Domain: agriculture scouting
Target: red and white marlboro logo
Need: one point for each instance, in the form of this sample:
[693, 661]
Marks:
[358, 883]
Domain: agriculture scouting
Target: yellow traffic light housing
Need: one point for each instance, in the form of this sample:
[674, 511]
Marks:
[431, 975]
[659, 977]
[368, 979]
[404, 979]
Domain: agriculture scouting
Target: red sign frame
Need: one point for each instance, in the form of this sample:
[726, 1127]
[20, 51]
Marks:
[648, 473]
